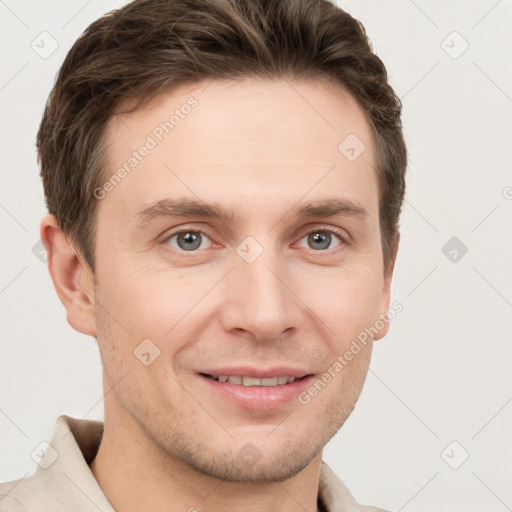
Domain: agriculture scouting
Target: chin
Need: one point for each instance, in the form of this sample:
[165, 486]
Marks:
[258, 468]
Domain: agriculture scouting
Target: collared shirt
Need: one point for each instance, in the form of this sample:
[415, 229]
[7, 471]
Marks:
[64, 482]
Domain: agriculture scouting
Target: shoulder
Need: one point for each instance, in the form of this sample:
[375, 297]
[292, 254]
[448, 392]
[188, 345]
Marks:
[62, 480]
[336, 496]
[43, 492]
[15, 495]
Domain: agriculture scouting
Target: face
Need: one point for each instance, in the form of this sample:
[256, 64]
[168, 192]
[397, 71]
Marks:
[242, 243]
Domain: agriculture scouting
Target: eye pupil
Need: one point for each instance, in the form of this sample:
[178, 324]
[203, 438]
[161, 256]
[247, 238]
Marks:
[324, 239]
[191, 239]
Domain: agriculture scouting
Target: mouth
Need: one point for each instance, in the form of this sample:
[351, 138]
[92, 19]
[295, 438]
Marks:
[256, 391]
[280, 380]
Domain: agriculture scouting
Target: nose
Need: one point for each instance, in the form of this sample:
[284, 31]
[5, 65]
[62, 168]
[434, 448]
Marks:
[260, 298]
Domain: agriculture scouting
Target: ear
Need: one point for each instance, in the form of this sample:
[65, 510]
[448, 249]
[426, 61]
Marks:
[72, 278]
[386, 290]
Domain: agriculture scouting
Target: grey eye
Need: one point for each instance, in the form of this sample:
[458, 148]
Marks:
[319, 239]
[187, 240]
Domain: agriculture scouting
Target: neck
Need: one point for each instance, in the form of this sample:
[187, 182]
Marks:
[135, 474]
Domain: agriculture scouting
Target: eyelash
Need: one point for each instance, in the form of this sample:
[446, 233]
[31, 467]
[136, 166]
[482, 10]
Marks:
[332, 231]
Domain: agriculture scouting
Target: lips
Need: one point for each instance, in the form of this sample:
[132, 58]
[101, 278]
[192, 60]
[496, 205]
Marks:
[255, 373]
[253, 381]
[252, 388]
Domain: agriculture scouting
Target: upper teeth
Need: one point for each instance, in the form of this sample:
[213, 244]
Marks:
[252, 381]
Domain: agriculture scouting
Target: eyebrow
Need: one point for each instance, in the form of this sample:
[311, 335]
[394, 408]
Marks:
[184, 208]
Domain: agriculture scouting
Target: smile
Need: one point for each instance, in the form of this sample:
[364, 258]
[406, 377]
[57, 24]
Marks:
[253, 381]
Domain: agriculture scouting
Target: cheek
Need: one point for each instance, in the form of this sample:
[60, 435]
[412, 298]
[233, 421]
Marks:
[347, 302]
[152, 302]
[134, 355]
[167, 308]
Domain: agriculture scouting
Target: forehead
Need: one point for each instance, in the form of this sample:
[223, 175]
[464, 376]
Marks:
[250, 139]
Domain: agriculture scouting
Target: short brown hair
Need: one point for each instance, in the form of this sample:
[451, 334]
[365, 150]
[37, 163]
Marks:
[150, 46]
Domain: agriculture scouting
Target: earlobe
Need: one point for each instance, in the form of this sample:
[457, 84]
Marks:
[72, 278]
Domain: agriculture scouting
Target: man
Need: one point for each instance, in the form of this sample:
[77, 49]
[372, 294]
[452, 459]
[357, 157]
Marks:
[224, 181]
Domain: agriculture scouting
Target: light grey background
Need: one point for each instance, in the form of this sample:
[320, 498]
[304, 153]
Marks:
[443, 372]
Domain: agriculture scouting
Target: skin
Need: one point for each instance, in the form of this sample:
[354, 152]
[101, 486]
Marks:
[259, 147]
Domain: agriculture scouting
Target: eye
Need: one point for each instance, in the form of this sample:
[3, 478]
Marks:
[190, 240]
[187, 240]
[320, 239]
